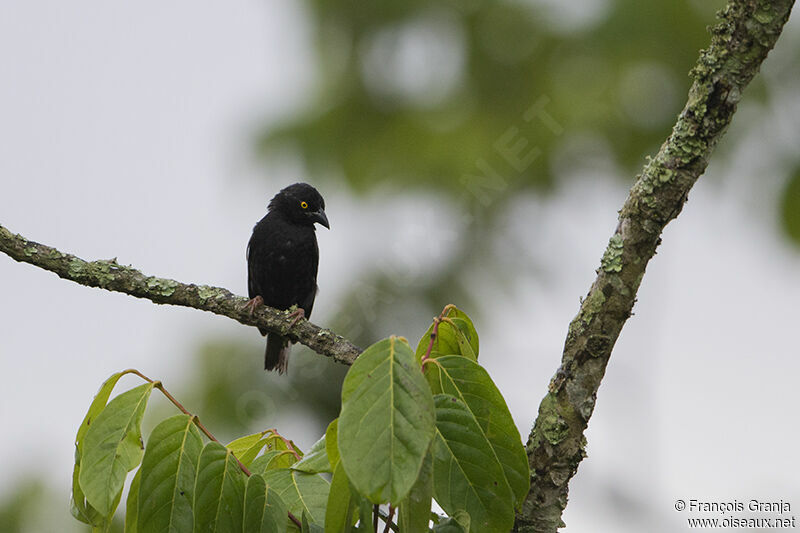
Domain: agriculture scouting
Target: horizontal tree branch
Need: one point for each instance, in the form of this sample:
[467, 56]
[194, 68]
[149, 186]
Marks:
[747, 31]
[112, 276]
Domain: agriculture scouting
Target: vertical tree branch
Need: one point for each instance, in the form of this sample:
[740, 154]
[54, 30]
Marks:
[747, 31]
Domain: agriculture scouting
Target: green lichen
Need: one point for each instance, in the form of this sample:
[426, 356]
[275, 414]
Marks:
[591, 307]
[686, 148]
[76, 267]
[612, 258]
[555, 429]
[655, 175]
[664, 174]
[764, 15]
[648, 200]
[652, 227]
[162, 287]
[598, 345]
[204, 292]
[619, 286]
[550, 425]
[30, 250]
[105, 272]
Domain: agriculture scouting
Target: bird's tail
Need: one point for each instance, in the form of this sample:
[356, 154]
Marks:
[277, 355]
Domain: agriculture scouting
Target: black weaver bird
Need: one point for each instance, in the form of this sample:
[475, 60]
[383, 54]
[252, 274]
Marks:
[282, 261]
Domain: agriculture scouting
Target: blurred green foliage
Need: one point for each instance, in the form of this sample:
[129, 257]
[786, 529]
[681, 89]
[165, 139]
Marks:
[416, 93]
[790, 208]
[233, 396]
[16, 510]
[33, 506]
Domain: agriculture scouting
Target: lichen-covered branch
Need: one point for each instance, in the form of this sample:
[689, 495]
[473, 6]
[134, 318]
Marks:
[112, 276]
[747, 31]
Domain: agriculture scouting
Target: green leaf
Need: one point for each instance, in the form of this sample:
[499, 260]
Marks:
[415, 510]
[264, 510]
[332, 443]
[310, 527]
[112, 447]
[132, 505]
[341, 504]
[466, 473]
[387, 421]
[168, 474]
[449, 525]
[106, 524]
[444, 343]
[273, 460]
[463, 339]
[455, 335]
[247, 448]
[218, 491]
[276, 442]
[97, 405]
[315, 460]
[79, 507]
[301, 492]
[464, 323]
[365, 521]
[453, 524]
[261, 463]
[470, 383]
[243, 444]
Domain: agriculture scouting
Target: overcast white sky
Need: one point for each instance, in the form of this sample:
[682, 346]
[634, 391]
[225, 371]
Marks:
[126, 132]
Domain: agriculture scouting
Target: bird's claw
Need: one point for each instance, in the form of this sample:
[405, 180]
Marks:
[253, 304]
[296, 315]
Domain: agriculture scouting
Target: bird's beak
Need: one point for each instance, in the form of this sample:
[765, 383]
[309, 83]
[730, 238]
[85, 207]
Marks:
[321, 217]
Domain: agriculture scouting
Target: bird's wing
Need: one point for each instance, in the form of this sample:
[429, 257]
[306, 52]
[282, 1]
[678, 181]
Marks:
[308, 303]
[252, 286]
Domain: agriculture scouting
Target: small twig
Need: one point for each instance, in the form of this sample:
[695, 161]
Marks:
[160, 386]
[388, 520]
[292, 449]
[289, 443]
[392, 525]
[176, 403]
[448, 320]
[376, 511]
[434, 333]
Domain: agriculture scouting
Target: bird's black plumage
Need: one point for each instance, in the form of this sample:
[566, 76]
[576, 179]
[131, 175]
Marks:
[282, 260]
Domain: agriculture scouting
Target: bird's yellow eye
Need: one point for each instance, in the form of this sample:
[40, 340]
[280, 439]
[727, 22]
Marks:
[304, 205]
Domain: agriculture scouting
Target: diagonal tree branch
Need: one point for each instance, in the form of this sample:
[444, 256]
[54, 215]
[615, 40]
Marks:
[115, 277]
[747, 31]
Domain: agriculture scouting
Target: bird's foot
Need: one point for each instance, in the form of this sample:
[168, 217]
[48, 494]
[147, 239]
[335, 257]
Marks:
[296, 315]
[253, 304]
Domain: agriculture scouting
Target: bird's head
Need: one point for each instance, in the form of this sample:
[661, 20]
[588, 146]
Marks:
[301, 204]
